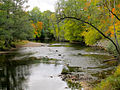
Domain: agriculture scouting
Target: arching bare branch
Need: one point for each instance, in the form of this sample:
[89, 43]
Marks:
[95, 29]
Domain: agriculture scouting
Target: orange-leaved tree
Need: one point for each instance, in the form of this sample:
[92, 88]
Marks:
[37, 29]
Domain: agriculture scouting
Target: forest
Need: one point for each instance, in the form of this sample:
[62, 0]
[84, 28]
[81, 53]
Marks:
[85, 22]
[74, 21]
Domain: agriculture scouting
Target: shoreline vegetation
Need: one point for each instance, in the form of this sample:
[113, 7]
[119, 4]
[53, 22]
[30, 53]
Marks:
[110, 83]
[22, 43]
[15, 44]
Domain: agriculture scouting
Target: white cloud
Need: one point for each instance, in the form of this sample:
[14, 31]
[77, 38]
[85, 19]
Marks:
[42, 4]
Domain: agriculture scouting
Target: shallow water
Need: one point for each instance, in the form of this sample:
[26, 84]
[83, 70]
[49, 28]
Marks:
[39, 68]
[45, 76]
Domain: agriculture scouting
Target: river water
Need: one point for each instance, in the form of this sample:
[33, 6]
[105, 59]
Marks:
[40, 68]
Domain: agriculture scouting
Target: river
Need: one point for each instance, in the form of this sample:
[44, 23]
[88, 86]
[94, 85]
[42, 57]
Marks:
[57, 66]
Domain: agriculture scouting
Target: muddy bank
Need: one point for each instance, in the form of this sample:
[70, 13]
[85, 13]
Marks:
[32, 44]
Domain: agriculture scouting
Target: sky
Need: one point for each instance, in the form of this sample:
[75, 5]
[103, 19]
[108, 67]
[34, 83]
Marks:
[42, 4]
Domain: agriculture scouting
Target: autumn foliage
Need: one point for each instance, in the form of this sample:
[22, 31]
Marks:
[113, 10]
[37, 28]
[110, 31]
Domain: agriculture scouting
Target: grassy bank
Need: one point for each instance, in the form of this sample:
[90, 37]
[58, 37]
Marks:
[110, 83]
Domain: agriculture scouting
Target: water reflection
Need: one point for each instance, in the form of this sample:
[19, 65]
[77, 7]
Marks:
[30, 74]
[45, 77]
[12, 75]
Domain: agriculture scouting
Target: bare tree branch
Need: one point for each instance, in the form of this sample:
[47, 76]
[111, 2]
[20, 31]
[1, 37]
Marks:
[94, 28]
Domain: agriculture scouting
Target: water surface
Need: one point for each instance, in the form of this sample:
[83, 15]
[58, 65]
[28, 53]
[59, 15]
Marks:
[40, 68]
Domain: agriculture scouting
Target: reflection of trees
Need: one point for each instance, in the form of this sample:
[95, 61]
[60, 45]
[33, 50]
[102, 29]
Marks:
[12, 74]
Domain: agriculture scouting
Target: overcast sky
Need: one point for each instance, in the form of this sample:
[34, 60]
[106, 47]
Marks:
[42, 4]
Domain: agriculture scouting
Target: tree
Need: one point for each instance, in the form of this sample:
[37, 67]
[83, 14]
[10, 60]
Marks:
[37, 29]
[79, 9]
[92, 15]
[73, 30]
[35, 15]
[53, 25]
[46, 24]
[15, 24]
[56, 28]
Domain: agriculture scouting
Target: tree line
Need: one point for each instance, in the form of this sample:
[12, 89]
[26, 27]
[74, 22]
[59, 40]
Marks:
[86, 21]
[14, 22]
[99, 19]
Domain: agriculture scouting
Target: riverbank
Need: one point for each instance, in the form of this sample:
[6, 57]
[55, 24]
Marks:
[20, 44]
[112, 82]
[77, 61]
[107, 46]
[31, 44]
